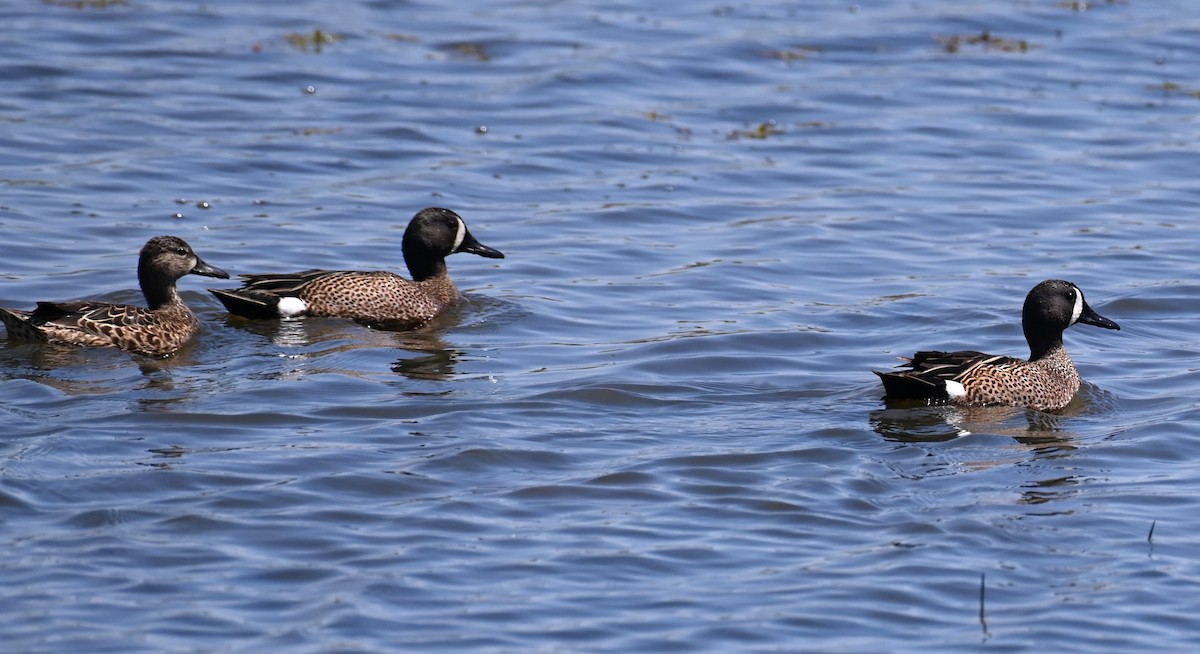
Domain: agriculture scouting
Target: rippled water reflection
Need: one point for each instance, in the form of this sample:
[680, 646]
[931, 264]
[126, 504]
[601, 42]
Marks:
[653, 427]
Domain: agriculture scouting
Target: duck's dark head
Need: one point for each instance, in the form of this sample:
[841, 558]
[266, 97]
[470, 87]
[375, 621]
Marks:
[1050, 308]
[163, 260]
[434, 234]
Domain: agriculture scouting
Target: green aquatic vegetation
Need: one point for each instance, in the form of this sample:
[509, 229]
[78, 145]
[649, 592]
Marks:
[1172, 88]
[761, 132]
[1080, 5]
[987, 41]
[471, 50]
[87, 4]
[799, 53]
[316, 131]
[315, 41]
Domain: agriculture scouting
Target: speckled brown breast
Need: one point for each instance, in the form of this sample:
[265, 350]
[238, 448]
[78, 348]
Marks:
[1046, 384]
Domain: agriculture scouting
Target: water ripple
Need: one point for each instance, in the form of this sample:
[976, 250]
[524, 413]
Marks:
[653, 426]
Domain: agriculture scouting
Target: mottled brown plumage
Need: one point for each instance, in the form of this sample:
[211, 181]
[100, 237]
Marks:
[158, 330]
[1046, 382]
[370, 297]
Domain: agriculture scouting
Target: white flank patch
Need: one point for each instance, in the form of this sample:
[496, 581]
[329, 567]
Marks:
[1078, 310]
[290, 307]
[462, 233]
[955, 390]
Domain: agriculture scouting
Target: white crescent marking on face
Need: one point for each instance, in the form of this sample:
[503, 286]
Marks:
[460, 235]
[1078, 310]
[290, 307]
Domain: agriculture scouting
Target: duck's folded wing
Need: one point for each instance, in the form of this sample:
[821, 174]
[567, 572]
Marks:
[284, 283]
[951, 365]
[925, 375]
[91, 316]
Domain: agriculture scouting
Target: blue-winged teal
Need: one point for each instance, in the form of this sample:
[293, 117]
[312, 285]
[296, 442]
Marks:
[157, 331]
[1046, 382]
[375, 297]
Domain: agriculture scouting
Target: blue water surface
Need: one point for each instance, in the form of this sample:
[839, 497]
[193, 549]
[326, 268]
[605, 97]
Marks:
[653, 427]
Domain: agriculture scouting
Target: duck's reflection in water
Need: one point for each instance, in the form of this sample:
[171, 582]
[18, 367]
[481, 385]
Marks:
[74, 370]
[429, 365]
[961, 439]
[926, 424]
[426, 355]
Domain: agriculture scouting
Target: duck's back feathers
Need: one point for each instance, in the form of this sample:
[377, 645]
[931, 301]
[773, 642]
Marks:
[248, 304]
[265, 296]
[100, 324]
[289, 284]
[936, 375]
[157, 331]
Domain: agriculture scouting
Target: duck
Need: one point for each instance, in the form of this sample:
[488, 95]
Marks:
[374, 298]
[1047, 381]
[158, 330]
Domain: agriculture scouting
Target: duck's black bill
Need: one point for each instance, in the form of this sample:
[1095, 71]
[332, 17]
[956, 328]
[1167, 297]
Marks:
[202, 268]
[469, 244]
[1090, 317]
